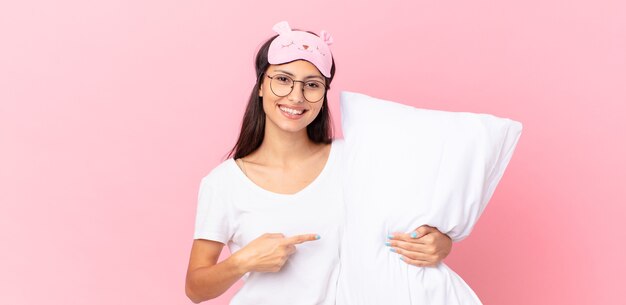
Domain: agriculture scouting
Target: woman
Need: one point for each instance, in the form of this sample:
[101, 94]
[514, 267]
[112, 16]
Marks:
[278, 202]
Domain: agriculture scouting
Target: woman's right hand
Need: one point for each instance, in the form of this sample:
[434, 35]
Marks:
[269, 252]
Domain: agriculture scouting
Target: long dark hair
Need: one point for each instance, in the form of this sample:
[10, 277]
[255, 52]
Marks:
[253, 125]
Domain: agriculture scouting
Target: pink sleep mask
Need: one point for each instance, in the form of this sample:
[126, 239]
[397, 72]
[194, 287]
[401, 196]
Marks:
[293, 45]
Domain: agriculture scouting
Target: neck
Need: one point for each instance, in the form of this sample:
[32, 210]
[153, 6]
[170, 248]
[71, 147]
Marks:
[283, 148]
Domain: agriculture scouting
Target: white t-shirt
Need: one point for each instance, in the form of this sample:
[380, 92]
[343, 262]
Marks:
[234, 210]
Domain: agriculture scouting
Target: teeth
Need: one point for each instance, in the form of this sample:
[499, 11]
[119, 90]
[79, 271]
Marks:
[292, 111]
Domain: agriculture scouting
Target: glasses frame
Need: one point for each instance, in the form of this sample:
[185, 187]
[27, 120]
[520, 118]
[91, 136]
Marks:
[294, 84]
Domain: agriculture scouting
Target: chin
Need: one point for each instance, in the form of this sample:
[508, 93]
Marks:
[292, 128]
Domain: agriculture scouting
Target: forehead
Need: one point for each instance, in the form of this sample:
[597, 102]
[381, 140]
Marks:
[298, 68]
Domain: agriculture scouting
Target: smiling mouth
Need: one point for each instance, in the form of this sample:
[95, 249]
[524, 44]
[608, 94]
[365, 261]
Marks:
[292, 111]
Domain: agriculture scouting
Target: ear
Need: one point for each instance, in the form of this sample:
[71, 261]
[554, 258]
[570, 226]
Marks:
[261, 90]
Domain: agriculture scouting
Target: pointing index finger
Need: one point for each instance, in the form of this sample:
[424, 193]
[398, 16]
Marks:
[298, 239]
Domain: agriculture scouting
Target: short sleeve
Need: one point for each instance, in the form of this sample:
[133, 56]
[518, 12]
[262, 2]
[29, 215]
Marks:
[212, 214]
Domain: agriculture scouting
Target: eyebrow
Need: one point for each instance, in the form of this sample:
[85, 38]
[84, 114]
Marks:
[292, 75]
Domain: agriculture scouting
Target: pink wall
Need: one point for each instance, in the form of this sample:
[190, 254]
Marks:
[112, 111]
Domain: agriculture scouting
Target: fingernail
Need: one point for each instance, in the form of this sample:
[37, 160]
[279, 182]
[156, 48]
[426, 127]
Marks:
[392, 250]
[387, 244]
[413, 234]
[402, 257]
[317, 236]
[390, 236]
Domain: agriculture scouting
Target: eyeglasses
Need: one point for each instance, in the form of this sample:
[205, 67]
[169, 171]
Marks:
[282, 85]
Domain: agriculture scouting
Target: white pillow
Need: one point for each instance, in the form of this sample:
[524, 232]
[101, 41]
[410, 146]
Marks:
[406, 167]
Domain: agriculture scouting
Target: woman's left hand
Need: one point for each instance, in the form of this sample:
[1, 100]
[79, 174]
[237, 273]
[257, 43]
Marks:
[424, 247]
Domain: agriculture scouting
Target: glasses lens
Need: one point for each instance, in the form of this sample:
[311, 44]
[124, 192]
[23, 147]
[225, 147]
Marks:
[281, 85]
[314, 91]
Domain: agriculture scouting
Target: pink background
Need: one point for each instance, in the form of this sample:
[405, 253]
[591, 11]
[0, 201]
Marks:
[112, 111]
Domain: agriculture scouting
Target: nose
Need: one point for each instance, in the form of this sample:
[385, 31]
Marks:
[297, 94]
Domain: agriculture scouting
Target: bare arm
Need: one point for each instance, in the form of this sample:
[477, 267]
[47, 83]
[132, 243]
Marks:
[207, 279]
